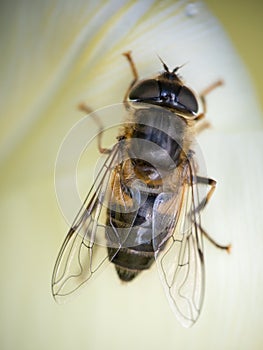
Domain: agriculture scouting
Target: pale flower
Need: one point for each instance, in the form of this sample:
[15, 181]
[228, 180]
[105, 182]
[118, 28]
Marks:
[56, 54]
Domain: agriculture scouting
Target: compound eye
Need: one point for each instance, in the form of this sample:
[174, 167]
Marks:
[146, 90]
[187, 99]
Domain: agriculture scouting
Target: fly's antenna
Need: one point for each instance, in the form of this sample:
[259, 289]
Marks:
[164, 65]
[167, 69]
[179, 67]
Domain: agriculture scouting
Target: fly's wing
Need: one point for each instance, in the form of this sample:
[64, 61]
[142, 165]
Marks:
[179, 253]
[83, 251]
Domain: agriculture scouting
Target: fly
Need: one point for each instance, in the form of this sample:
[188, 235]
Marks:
[145, 203]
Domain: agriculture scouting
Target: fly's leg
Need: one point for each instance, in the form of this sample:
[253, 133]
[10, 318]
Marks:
[211, 240]
[212, 184]
[202, 125]
[205, 124]
[134, 73]
[205, 181]
[84, 108]
[207, 91]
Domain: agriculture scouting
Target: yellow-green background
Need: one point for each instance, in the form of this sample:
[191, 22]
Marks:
[243, 21]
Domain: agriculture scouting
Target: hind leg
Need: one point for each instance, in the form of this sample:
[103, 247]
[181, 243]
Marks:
[212, 183]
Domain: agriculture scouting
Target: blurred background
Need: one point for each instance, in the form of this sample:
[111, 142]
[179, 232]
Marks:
[242, 20]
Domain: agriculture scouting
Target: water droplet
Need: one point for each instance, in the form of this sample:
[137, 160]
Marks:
[191, 9]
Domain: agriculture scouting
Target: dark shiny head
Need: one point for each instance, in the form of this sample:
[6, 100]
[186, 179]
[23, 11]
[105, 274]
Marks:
[166, 90]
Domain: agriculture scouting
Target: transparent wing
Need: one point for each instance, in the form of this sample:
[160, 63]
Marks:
[83, 251]
[179, 255]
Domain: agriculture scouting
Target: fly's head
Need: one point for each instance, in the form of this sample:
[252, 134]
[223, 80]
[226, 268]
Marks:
[166, 90]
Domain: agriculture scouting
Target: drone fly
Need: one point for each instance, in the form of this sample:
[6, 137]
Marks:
[145, 202]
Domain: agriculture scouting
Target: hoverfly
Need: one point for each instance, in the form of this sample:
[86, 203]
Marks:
[145, 203]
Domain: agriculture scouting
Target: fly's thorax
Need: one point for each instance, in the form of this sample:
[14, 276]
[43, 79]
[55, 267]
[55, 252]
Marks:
[156, 138]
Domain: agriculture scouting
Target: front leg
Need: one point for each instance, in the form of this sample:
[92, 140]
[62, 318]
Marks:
[134, 73]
